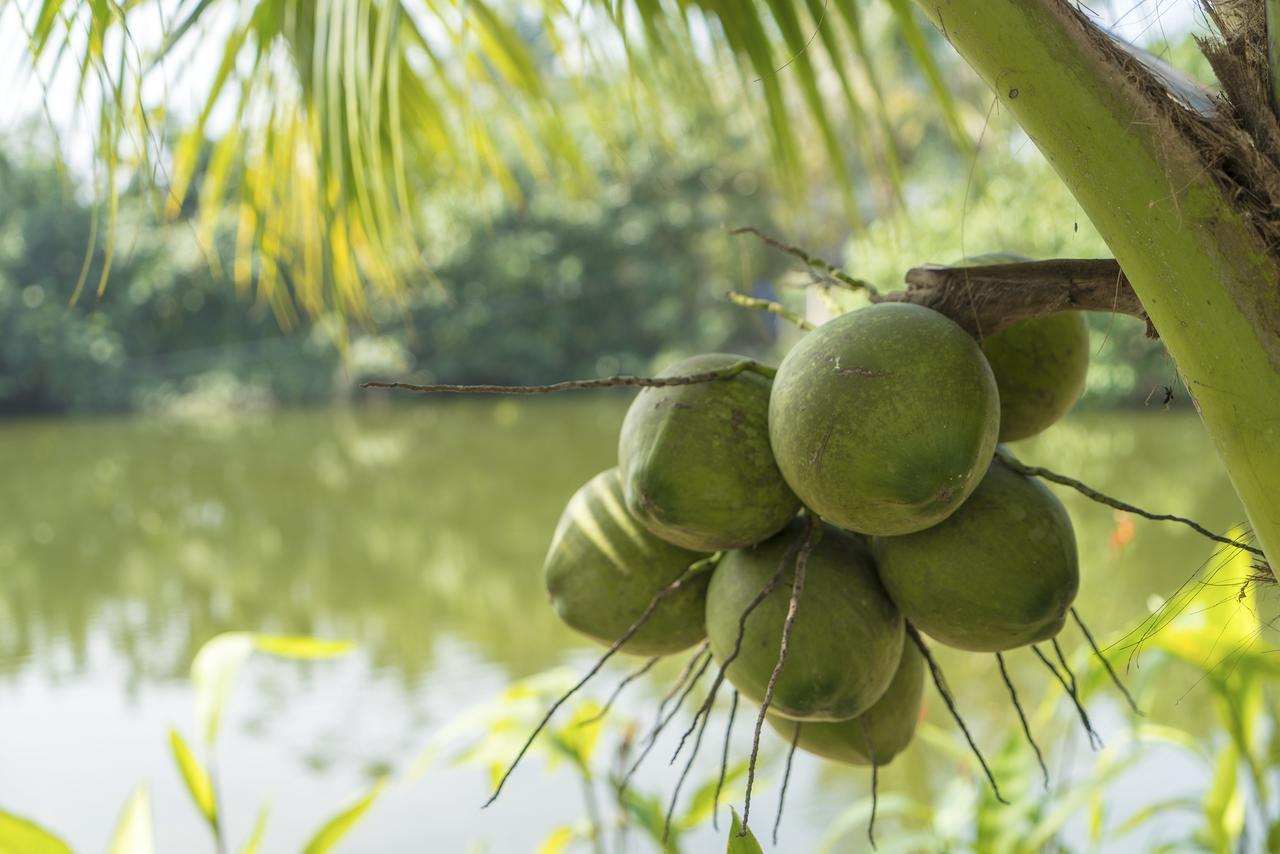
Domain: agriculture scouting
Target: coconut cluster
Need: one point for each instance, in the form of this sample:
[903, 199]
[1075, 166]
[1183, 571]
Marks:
[869, 457]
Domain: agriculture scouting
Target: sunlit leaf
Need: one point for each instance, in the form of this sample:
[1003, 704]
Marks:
[296, 646]
[558, 840]
[213, 673]
[254, 843]
[338, 826]
[134, 833]
[740, 843]
[704, 799]
[20, 836]
[199, 784]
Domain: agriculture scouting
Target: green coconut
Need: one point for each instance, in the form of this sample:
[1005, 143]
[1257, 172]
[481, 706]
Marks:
[883, 730]
[604, 568]
[696, 464]
[847, 636]
[999, 573]
[883, 420]
[1039, 364]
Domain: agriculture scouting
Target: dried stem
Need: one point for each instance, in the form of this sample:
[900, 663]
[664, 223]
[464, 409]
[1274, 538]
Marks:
[725, 373]
[786, 778]
[770, 306]
[626, 680]
[809, 260]
[987, 298]
[768, 588]
[1094, 495]
[690, 676]
[688, 766]
[724, 762]
[875, 781]
[706, 704]
[1026, 726]
[811, 536]
[1094, 741]
[940, 682]
[1115, 679]
[670, 590]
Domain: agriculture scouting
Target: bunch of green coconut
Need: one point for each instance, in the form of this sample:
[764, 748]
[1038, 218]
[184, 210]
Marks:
[870, 462]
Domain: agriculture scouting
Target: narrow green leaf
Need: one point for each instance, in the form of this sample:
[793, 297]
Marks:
[197, 779]
[739, 843]
[338, 826]
[557, 840]
[134, 834]
[299, 646]
[20, 836]
[213, 672]
[254, 843]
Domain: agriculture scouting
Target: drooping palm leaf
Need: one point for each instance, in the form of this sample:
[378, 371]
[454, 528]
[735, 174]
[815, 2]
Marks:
[320, 123]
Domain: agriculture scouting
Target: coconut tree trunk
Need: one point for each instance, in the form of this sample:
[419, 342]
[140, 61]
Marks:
[1186, 231]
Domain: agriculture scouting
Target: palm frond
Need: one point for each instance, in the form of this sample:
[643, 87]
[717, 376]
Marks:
[320, 124]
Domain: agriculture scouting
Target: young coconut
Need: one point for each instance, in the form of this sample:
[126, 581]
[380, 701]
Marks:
[884, 730]
[604, 568]
[883, 420]
[696, 464]
[847, 637]
[999, 573]
[1039, 364]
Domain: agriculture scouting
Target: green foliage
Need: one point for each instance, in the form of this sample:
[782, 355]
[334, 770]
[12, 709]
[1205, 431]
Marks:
[341, 114]
[20, 836]
[134, 834]
[741, 842]
[199, 783]
[341, 823]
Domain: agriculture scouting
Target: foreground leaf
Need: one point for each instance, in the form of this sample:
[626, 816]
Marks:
[199, 784]
[19, 836]
[340, 824]
[134, 834]
[213, 672]
[739, 844]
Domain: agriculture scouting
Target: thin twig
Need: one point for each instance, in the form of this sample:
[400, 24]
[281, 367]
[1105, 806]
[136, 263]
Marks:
[670, 590]
[812, 533]
[786, 778]
[875, 780]
[661, 722]
[1094, 495]
[725, 373]
[768, 588]
[724, 763]
[688, 766]
[940, 683]
[627, 680]
[1094, 741]
[770, 306]
[811, 261]
[1026, 726]
[1115, 679]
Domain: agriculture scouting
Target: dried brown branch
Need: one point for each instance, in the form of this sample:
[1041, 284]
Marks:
[1092, 494]
[1094, 740]
[1022, 716]
[812, 533]
[940, 682]
[1115, 679]
[666, 592]
[725, 373]
[988, 298]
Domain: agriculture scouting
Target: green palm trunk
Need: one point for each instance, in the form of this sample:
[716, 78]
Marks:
[1200, 267]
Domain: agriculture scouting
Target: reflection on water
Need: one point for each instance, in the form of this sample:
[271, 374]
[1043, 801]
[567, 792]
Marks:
[418, 532]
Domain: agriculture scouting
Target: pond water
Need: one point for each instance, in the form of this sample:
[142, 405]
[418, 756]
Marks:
[418, 532]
